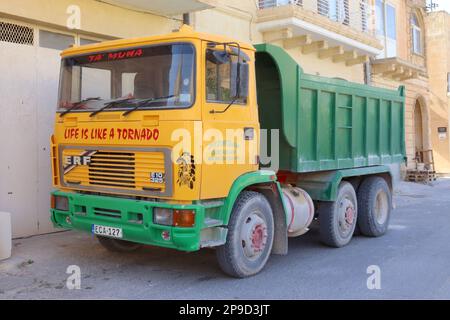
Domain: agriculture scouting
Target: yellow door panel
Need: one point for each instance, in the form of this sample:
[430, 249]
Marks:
[230, 132]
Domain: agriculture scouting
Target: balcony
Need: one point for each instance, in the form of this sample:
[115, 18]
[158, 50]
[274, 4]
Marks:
[340, 30]
[165, 7]
[396, 69]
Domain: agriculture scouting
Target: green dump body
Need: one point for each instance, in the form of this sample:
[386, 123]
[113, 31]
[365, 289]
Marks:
[324, 123]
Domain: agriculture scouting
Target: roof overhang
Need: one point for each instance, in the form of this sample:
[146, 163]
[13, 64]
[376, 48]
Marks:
[165, 7]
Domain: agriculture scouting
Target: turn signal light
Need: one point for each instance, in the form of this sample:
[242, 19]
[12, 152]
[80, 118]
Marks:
[184, 218]
[59, 203]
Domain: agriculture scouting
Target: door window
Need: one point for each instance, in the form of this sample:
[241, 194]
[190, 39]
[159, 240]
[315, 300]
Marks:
[218, 80]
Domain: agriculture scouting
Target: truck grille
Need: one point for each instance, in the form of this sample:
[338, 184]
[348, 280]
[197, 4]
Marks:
[113, 169]
[117, 170]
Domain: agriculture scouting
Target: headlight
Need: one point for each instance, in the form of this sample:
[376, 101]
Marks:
[60, 203]
[163, 216]
[175, 218]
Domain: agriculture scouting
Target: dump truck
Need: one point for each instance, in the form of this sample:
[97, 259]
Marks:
[159, 141]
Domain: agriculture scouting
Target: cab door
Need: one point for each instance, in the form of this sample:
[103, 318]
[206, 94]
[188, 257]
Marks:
[230, 124]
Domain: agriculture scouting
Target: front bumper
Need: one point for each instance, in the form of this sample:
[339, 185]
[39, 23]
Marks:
[135, 217]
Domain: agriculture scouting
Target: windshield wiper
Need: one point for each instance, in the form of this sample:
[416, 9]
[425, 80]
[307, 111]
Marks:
[145, 102]
[78, 104]
[109, 105]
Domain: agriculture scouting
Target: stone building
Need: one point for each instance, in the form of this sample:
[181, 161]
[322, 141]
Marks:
[400, 26]
[438, 57]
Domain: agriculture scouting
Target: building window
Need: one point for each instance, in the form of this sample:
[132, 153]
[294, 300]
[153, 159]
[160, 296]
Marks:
[57, 41]
[386, 23]
[84, 41]
[448, 84]
[323, 7]
[416, 35]
[262, 4]
[364, 9]
[336, 10]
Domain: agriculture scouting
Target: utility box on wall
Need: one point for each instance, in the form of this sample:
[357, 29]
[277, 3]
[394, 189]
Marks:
[5, 235]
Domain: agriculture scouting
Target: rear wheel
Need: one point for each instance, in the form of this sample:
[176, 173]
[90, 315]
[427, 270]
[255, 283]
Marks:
[250, 236]
[337, 220]
[116, 245]
[375, 205]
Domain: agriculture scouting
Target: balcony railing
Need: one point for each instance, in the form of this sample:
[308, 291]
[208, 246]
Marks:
[355, 14]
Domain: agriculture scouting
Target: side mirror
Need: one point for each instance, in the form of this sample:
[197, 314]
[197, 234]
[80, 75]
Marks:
[218, 57]
[239, 80]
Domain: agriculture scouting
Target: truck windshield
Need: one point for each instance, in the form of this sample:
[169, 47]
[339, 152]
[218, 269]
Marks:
[151, 77]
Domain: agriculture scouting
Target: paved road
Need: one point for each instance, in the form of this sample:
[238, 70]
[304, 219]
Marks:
[414, 260]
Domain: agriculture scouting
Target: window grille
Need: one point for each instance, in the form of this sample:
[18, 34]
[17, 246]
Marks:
[14, 33]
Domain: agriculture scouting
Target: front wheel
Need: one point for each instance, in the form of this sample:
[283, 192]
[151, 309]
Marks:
[250, 236]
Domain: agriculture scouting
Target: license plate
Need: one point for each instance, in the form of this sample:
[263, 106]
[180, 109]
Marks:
[107, 231]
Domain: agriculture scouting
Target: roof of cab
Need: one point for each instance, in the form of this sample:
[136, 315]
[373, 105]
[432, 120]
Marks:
[185, 32]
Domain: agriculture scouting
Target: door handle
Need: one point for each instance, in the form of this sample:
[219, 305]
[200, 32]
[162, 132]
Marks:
[249, 133]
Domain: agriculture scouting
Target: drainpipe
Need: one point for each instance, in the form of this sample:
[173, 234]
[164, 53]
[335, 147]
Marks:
[368, 73]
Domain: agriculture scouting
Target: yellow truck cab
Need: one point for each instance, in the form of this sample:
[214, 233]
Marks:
[157, 142]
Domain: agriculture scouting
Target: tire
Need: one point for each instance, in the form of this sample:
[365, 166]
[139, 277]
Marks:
[375, 206]
[357, 231]
[250, 236]
[337, 220]
[116, 245]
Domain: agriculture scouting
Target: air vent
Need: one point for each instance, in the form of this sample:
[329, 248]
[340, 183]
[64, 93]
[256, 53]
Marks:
[110, 213]
[112, 169]
[14, 33]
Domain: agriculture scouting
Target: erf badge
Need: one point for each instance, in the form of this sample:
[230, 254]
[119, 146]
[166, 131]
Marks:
[186, 170]
[71, 162]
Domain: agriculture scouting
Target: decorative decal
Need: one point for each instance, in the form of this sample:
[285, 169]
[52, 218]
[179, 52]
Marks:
[186, 170]
[119, 55]
[122, 134]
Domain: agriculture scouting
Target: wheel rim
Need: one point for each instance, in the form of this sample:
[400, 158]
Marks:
[254, 236]
[346, 217]
[381, 207]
